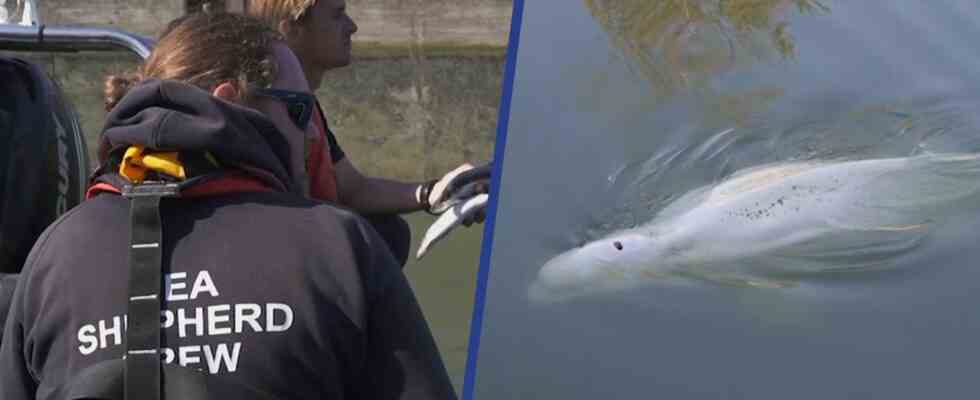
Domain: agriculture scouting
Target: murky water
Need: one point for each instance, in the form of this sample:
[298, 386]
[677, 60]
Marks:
[445, 283]
[640, 102]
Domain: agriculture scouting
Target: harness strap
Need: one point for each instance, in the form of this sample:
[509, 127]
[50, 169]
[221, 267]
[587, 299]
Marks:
[141, 375]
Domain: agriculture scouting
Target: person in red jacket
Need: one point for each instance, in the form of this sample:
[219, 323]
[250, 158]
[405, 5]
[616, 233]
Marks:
[319, 33]
[263, 291]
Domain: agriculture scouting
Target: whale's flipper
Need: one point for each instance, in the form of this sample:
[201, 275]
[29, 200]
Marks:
[845, 250]
[738, 281]
[837, 251]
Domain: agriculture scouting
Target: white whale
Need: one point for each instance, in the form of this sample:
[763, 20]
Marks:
[767, 226]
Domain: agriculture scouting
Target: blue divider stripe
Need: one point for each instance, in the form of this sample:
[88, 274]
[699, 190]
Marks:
[498, 156]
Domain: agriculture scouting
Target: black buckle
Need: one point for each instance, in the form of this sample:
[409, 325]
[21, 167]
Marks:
[151, 189]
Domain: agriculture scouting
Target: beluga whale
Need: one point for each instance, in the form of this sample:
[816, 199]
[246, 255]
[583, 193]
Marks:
[773, 225]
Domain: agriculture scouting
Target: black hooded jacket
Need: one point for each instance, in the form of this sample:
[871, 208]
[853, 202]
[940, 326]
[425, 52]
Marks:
[295, 298]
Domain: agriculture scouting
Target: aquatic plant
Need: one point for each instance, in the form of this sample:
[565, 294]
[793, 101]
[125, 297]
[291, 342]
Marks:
[680, 43]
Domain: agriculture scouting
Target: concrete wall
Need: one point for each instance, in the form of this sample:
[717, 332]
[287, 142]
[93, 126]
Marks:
[141, 16]
[468, 22]
[395, 117]
[460, 22]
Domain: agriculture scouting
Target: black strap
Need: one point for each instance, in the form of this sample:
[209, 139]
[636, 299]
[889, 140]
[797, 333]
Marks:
[141, 375]
[142, 371]
[103, 381]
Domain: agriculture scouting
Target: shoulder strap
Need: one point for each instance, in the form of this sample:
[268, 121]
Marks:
[141, 374]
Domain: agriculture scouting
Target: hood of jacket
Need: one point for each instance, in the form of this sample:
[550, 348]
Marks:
[170, 116]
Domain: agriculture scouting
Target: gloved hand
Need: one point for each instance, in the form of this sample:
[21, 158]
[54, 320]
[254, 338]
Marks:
[439, 195]
[468, 191]
[479, 217]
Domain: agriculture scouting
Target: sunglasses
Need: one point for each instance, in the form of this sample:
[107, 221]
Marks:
[299, 105]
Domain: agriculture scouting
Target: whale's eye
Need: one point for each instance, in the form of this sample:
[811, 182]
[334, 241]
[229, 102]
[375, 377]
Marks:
[618, 245]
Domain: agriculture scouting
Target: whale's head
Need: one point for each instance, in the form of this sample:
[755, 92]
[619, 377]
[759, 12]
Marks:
[616, 262]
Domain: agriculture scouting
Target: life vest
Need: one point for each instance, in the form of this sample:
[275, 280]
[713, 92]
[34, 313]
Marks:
[134, 163]
[319, 165]
[200, 174]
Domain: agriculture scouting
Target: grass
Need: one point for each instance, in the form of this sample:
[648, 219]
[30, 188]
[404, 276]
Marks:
[429, 49]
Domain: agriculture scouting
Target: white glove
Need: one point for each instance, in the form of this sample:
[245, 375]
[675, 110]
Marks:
[435, 197]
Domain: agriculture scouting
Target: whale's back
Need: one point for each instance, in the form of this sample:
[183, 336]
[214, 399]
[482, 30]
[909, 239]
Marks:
[825, 216]
[758, 178]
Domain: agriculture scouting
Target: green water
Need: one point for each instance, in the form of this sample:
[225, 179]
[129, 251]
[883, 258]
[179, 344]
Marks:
[445, 282]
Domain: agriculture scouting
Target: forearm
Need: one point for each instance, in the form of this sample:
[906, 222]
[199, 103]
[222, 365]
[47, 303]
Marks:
[379, 195]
